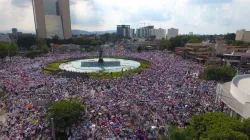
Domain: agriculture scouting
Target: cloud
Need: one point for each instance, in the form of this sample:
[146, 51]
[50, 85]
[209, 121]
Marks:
[198, 16]
[21, 3]
[209, 1]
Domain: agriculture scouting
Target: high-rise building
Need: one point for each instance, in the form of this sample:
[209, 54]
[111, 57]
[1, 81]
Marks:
[243, 35]
[143, 32]
[123, 30]
[158, 33]
[191, 33]
[132, 33]
[52, 17]
[172, 33]
[14, 30]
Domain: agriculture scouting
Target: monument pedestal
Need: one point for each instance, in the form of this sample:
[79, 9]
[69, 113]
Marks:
[97, 64]
[100, 60]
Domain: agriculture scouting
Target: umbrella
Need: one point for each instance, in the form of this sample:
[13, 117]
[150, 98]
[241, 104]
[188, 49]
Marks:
[117, 130]
[181, 123]
[128, 124]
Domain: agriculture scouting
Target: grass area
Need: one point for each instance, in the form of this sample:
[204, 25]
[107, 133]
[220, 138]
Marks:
[111, 75]
[54, 68]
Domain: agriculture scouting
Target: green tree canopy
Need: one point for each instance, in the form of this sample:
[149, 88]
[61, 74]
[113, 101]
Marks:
[246, 124]
[230, 36]
[13, 49]
[66, 113]
[164, 44]
[182, 134]
[217, 126]
[218, 73]
[44, 49]
[26, 42]
[4, 48]
[194, 40]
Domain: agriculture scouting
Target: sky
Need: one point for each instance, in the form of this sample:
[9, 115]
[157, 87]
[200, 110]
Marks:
[197, 16]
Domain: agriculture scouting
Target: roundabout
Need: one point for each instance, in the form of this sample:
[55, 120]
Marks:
[92, 65]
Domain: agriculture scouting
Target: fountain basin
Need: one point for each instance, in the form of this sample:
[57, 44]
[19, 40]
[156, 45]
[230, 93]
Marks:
[97, 64]
[92, 65]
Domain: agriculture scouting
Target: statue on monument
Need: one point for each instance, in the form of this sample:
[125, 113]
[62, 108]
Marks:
[100, 55]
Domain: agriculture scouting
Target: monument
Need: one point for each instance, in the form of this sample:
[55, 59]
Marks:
[101, 62]
[100, 56]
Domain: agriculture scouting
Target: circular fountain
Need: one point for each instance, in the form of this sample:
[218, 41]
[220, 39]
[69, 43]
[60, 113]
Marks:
[100, 65]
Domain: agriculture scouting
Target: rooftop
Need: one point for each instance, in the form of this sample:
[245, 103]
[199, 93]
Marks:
[228, 99]
[242, 82]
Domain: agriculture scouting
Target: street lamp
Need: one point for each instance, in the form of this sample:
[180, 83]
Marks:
[53, 129]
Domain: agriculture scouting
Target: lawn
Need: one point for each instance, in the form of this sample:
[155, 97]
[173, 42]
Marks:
[54, 67]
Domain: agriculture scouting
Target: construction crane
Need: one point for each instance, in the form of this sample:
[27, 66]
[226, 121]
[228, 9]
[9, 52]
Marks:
[143, 23]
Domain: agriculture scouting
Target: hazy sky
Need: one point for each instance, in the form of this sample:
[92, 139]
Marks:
[198, 16]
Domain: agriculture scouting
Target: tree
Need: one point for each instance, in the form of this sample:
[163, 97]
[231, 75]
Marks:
[230, 36]
[182, 134]
[246, 124]
[55, 39]
[194, 40]
[13, 49]
[139, 49]
[216, 125]
[66, 113]
[210, 50]
[227, 134]
[26, 42]
[164, 44]
[41, 42]
[221, 73]
[44, 49]
[4, 47]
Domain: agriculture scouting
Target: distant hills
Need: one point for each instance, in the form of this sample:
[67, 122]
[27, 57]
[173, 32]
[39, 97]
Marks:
[78, 32]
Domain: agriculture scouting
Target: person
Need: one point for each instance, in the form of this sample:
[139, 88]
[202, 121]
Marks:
[122, 108]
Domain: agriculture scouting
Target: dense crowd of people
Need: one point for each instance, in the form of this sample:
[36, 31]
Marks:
[136, 106]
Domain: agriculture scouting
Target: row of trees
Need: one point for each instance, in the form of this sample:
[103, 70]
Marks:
[26, 42]
[237, 43]
[218, 73]
[178, 41]
[213, 126]
[40, 49]
[8, 49]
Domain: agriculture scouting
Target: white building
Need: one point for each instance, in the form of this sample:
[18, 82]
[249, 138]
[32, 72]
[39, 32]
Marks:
[191, 33]
[236, 96]
[158, 33]
[4, 38]
[243, 35]
[172, 33]
[143, 32]
[131, 33]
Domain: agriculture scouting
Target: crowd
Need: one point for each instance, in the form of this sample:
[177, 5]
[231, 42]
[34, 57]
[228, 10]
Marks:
[136, 106]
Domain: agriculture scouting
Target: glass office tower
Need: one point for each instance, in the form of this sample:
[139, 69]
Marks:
[52, 17]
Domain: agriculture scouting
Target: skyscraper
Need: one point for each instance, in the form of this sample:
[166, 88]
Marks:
[172, 33]
[14, 30]
[158, 33]
[143, 32]
[52, 17]
[123, 30]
